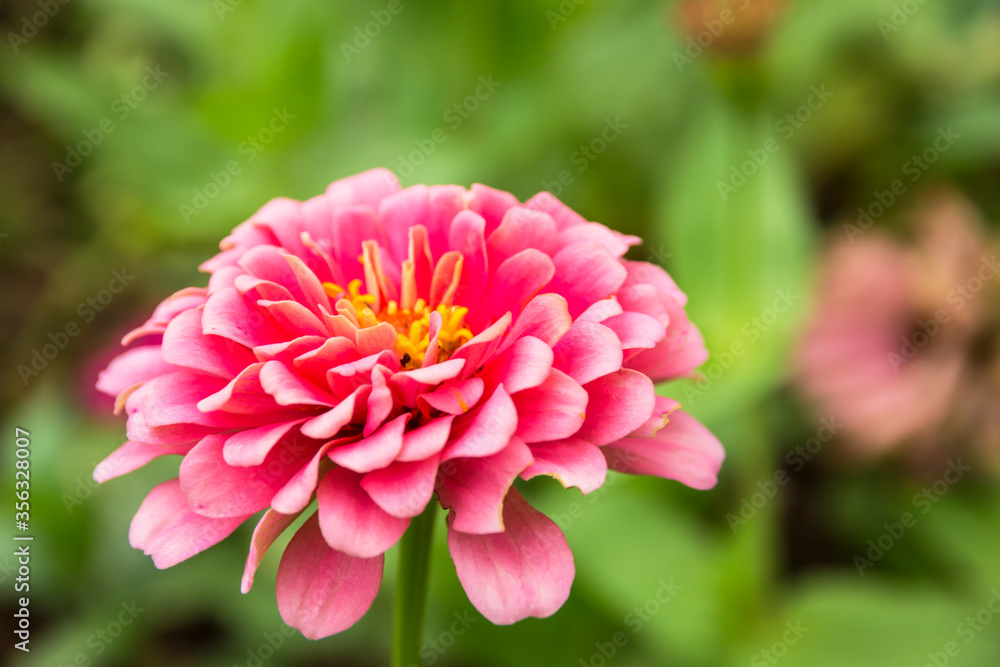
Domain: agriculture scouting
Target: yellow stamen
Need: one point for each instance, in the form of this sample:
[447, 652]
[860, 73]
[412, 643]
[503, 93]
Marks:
[412, 324]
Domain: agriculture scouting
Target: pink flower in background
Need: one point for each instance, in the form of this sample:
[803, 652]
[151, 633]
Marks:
[376, 346]
[899, 348]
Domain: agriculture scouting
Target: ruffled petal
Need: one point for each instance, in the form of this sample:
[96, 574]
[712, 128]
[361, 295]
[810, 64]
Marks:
[527, 570]
[573, 462]
[403, 488]
[554, 410]
[351, 522]
[167, 529]
[683, 450]
[474, 489]
[585, 273]
[132, 456]
[132, 367]
[376, 451]
[217, 489]
[321, 591]
[486, 430]
[619, 403]
[268, 529]
[588, 351]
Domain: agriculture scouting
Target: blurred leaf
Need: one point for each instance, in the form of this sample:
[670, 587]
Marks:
[843, 620]
[739, 233]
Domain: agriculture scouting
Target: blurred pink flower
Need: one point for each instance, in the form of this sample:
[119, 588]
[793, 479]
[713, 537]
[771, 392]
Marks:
[895, 348]
[375, 346]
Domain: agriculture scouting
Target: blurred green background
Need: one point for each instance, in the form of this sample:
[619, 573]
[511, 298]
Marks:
[134, 134]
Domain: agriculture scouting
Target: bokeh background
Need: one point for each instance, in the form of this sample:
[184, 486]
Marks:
[135, 133]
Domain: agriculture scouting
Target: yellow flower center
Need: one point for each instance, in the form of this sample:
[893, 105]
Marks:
[412, 324]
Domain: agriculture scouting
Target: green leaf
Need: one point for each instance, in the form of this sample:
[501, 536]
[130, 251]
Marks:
[738, 231]
[834, 621]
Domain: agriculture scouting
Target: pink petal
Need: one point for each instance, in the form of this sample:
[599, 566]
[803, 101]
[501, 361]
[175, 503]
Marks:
[646, 272]
[683, 450]
[588, 351]
[546, 317]
[189, 297]
[352, 226]
[410, 384]
[328, 424]
[445, 281]
[454, 398]
[572, 461]
[184, 344]
[554, 410]
[380, 401]
[522, 228]
[251, 447]
[373, 340]
[321, 591]
[269, 263]
[434, 323]
[426, 441]
[486, 430]
[314, 363]
[636, 330]
[586, 273]
[483, 345]
[523, 365]
[661, 414]
[646, 299]
[138, 430]
[619, 403]
[421, 266]
[466, 237]
[368, 188]
[268, 529]
[347, 377]
[243, 395]
[132, 456]
[593, 232]
[216, 489]
[132, 367]
[474, 489]
[491, 203]
[666, 363]
[169, 531]
[601, 310]
[283, 218]
[351, 522]
[293, 317]
[173, 399]
[294, 496]
[403, 488]
[564, 216]
[446, 201]
[516, 282]
[288, 388]
[376, 451]
[230, 315]
[525, 571]
[400, 213]
[313, 294]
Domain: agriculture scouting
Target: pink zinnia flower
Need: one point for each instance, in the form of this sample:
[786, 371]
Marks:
[375, 346]
[900, 348]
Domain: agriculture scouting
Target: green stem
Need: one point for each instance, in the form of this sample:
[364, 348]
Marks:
[411, 593]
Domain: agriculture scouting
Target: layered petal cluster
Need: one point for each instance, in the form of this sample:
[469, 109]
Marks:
[376, 348]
